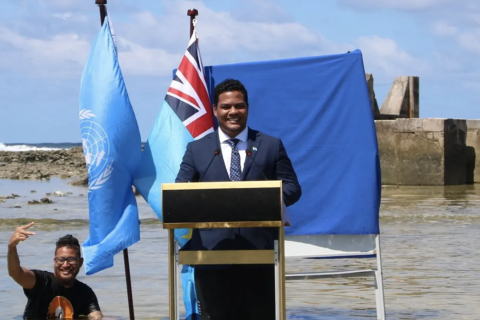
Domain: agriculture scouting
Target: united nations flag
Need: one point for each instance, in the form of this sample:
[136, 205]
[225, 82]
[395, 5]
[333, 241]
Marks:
[112, 149]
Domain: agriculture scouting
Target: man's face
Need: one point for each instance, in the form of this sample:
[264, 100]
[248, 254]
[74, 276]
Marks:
[66, 263]
[231, 112]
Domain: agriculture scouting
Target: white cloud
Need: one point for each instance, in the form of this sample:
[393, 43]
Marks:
[63, 16]
[443, 29]
[142, 61]
[262, 11]
[470, 40]
[408, 5]
[154, 44]
[224, 37]
[65, 5]
[60, 56]
[450, 50]
[384, 58]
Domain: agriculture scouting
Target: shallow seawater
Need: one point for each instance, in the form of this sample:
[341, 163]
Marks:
[430, 245]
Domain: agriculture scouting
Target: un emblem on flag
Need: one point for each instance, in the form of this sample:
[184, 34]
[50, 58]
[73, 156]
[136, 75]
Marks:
[96, 149]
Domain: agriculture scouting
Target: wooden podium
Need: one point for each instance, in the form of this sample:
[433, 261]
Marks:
[240, 204]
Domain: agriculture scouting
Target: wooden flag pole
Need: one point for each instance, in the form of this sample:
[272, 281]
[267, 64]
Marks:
[103, 13]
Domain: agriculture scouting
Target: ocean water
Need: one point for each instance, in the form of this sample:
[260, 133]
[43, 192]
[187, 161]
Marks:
[16, 147]
[37, 146]
[431, 257]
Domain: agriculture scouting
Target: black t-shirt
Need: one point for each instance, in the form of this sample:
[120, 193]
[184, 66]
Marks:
[48, 298]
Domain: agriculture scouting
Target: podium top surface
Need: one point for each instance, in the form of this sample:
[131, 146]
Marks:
[222, 185]
[222, 204]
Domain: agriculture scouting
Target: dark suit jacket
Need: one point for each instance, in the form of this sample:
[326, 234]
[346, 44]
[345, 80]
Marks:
[270, 158]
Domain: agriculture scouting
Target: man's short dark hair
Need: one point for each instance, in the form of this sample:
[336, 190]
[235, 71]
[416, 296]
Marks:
[227, 86]
[68, 241]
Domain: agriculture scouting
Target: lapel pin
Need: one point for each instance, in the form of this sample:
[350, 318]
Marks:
[254, 148]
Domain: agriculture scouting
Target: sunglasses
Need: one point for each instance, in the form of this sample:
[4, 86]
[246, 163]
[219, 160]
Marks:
[61, 260]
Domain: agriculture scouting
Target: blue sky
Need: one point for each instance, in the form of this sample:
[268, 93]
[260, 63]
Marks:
[44, 45]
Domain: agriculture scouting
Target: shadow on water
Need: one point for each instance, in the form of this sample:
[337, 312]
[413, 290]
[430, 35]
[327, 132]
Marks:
[348, 314]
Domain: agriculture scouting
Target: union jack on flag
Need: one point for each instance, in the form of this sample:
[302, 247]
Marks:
[188, 94]
[185, 115]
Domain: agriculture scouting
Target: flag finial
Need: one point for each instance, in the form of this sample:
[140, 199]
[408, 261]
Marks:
[192, 13]
[103, 9]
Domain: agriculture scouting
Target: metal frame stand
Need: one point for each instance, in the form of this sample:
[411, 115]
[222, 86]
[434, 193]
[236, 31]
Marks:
[376, 273]
[278, 262]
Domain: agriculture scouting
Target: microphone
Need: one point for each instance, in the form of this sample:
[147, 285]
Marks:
[216, 152]
[248, 152]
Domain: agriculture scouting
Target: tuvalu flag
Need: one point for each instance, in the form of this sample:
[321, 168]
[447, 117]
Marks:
[112, 149]
[185, 115]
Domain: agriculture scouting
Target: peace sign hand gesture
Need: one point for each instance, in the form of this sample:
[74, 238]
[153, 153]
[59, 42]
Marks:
[20, 234]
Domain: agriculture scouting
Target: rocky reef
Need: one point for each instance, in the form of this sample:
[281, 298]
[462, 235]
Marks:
[65, 164]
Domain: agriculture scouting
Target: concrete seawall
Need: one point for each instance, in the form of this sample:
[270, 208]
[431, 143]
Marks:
[429, 151]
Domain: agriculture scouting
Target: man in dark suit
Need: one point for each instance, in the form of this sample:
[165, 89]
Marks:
[238, 291]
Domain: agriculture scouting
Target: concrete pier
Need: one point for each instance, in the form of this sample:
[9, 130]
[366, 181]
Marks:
[402, 100]
[416, 151]
[429, 151]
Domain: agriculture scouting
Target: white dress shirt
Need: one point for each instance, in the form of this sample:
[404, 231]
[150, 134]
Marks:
[227, 148]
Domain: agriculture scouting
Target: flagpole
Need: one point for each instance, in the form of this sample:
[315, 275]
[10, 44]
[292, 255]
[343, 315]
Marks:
[192, 13]
[129, 284]
[103, 10]
[103, 13]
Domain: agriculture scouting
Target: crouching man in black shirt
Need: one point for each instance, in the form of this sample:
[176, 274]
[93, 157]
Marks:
[55, 295]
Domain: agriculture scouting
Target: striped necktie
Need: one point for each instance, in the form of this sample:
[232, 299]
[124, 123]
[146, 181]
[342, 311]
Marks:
[235, 168]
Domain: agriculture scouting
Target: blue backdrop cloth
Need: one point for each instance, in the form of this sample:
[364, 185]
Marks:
[320, 108]
[112, 148]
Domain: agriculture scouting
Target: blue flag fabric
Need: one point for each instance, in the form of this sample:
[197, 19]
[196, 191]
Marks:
[160, 163]
[161, 158]
[320, 108]
[185, 115]
[112, 149]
